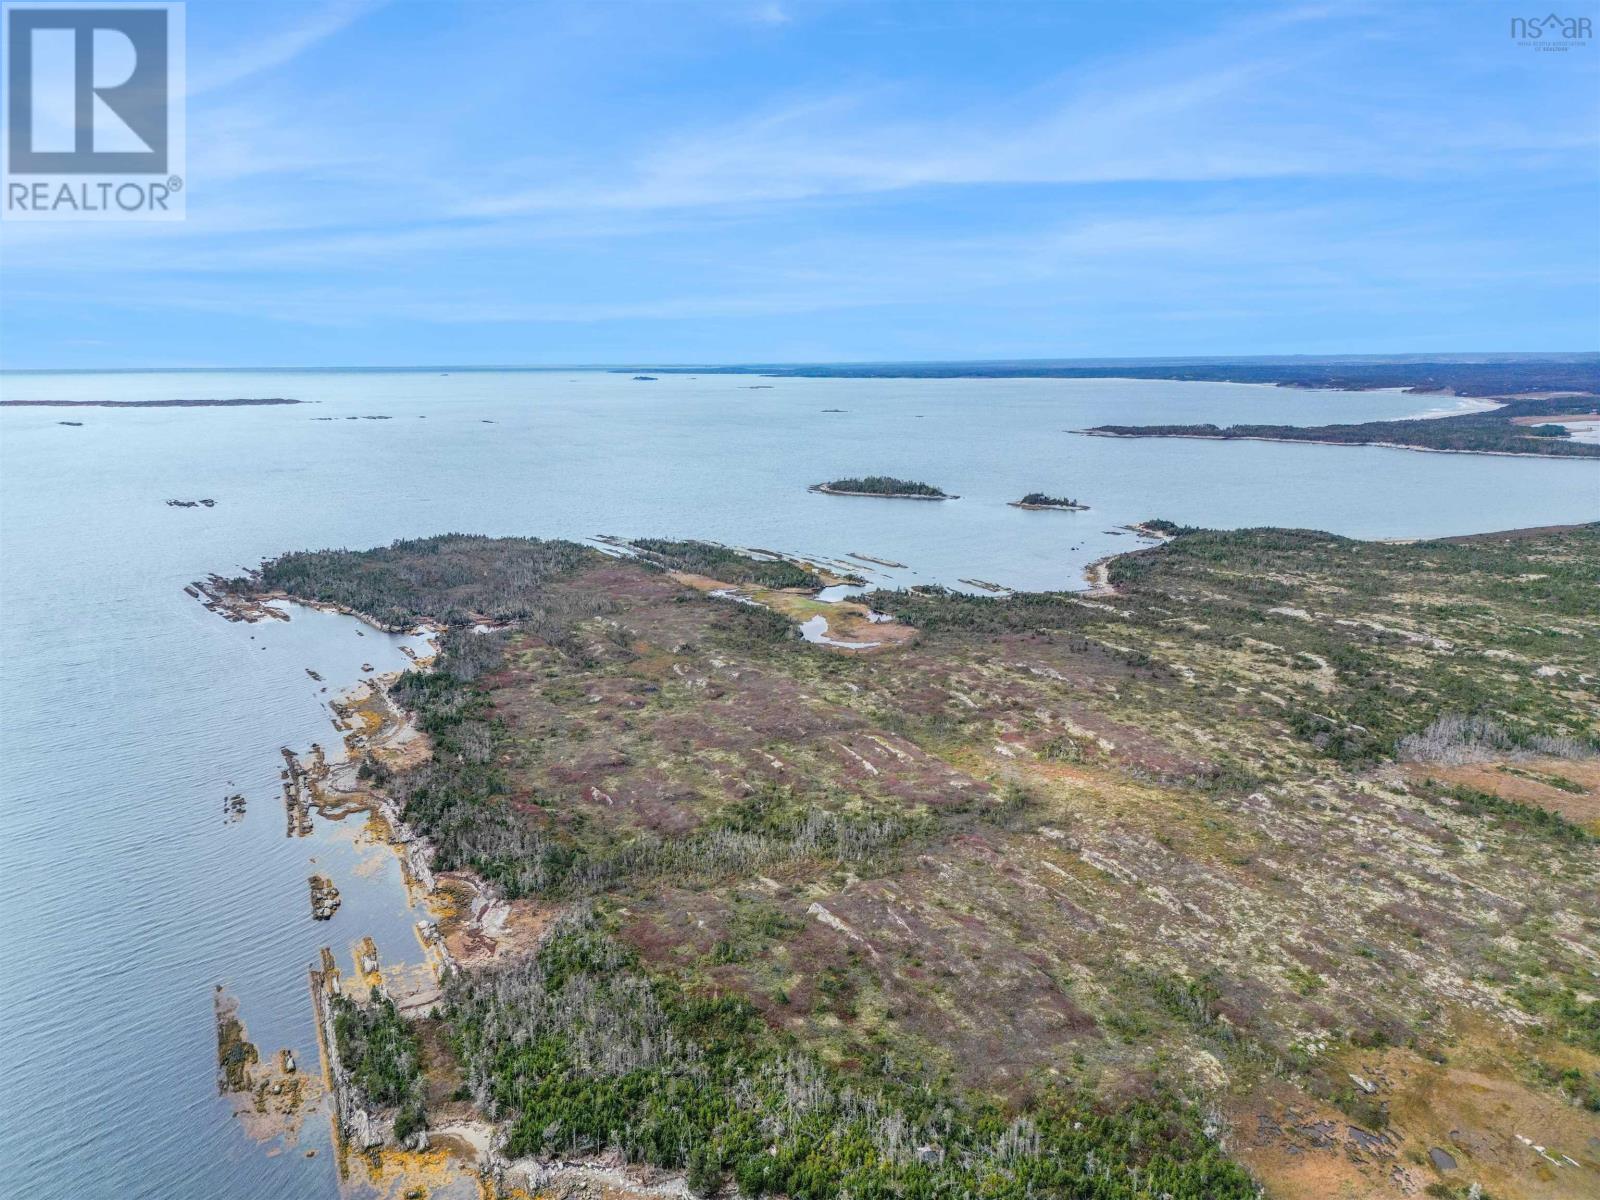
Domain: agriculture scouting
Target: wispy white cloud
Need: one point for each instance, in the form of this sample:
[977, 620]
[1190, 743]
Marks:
[771, 13]
[279, 49]
[1248, 103]
[1251, 259]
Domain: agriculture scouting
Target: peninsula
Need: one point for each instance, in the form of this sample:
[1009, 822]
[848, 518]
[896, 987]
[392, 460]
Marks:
[1524, 427]
[1242, 854]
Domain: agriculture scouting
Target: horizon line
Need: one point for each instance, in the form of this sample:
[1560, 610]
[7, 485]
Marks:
[1459, 356]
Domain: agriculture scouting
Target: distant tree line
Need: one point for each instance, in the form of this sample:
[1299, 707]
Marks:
[1481, 432]
[144, 403]
[1505, 377]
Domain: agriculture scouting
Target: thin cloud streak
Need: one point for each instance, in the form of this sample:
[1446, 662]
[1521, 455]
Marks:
[281, 49]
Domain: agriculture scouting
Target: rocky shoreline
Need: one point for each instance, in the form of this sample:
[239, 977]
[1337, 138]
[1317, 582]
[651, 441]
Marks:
[472, 924]
[481, 924]
[479, 921]
[214, 594]
[1098, 573]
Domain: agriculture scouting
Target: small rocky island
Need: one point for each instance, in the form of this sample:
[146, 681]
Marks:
[1040, 500]
[324, 898]
[884, 487]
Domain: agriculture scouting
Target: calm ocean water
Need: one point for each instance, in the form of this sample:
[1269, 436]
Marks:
[129, 712]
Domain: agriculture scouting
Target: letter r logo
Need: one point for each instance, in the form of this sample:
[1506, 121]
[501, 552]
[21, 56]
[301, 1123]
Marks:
[87, 90]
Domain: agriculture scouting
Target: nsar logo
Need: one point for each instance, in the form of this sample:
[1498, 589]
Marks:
[94, 121]
[1551, 32]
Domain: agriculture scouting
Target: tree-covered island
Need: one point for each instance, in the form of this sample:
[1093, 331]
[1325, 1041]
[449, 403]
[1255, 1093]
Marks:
[1040, 500]
[883, 486]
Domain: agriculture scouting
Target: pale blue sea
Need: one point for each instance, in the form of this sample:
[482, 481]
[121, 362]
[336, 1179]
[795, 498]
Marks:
[129, 712]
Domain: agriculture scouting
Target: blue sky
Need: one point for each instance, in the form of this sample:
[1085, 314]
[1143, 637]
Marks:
[493, 183]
